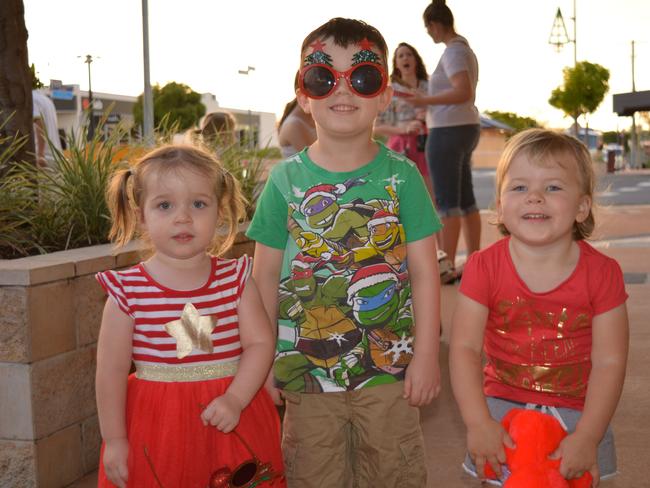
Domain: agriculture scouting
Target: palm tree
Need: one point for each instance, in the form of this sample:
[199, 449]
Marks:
[15, 78]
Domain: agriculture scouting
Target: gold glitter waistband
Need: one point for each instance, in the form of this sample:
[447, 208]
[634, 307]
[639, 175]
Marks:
[175, 372]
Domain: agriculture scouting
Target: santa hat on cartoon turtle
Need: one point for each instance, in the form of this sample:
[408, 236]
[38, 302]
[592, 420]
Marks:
[370, 275]
[382, 217]
[324, 190]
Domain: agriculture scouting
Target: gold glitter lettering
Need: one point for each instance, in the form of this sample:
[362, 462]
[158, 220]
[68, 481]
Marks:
[581, 320]
[561, 323]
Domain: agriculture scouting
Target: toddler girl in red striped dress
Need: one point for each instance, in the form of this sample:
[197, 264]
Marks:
[193, 414]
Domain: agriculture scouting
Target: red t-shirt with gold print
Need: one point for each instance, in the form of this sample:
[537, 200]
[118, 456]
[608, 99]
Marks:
[538, 345]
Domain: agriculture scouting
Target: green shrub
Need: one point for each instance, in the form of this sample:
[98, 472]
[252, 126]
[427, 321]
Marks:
[53, 209]
[47, 210]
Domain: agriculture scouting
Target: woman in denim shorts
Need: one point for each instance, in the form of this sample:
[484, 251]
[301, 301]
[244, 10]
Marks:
[454, 129]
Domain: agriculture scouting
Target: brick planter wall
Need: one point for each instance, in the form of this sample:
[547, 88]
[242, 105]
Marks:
[50, 313]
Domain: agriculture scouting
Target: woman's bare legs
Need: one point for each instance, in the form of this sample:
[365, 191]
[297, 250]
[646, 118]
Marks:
[471, 225]
[450, 234]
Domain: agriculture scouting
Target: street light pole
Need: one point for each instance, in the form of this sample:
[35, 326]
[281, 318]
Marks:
[250, 115]
[147, 103]
[633, 152]
[91, 115]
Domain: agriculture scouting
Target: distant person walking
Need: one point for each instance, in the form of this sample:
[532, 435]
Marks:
[403, 123]
[454, 129]
[46, 131]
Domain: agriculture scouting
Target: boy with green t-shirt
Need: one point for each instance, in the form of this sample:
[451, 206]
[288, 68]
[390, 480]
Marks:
[358, 322]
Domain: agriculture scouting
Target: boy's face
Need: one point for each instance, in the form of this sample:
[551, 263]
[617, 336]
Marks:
[343, 112]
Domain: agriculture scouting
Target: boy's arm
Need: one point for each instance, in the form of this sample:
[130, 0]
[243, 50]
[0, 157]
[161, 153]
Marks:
[266, 273]
[609, 347]
[114, 348]
[485, 436]
[422, 383]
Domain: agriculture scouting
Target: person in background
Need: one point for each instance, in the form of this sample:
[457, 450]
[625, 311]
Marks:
[218, 128]
[454, 130]
[548, 310]
[296, 129]
[46, 131]
[344, 255]
[403, 123]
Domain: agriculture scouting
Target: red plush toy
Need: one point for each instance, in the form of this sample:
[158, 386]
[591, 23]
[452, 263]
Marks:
[536, 435]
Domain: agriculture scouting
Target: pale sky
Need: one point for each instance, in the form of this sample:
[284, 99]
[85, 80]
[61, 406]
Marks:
[203, 43]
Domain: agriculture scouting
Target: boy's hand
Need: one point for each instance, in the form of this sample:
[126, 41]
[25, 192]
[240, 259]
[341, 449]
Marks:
[274, 393]
[422, 381]
[579, 454]
[116, 453]
[485, 445]
[223, 412]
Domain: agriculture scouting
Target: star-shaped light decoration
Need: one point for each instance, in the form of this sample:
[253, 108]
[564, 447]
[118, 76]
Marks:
[191, 331]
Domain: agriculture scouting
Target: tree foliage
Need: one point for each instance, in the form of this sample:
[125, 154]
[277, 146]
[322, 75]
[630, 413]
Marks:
[515, 121]
[584, 88]
[179, 102]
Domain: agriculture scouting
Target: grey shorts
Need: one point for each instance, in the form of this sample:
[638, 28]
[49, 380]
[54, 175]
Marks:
[606, 449]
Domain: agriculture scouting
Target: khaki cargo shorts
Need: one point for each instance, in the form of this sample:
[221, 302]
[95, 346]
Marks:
[357, 439]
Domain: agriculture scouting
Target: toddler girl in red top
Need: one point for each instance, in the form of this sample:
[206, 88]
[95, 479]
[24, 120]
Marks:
[548, 310]
[194, 325]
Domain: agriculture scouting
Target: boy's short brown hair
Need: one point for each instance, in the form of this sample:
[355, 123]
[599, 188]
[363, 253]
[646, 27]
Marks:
[345, 32]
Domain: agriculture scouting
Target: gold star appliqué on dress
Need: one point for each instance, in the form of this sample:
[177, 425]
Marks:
[191, 331]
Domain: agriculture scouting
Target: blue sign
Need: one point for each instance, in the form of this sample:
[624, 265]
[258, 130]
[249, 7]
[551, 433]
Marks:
[62, 94]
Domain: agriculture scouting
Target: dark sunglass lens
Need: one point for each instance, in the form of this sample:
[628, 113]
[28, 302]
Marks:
[318, 81]
[244, 474]
[366, 80]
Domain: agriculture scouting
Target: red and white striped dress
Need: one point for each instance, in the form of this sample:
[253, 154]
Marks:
[166, 395]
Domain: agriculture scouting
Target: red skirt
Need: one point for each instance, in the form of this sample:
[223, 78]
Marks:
[164, 418]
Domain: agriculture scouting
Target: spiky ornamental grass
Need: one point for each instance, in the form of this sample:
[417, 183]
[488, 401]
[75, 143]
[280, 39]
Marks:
[63, 207]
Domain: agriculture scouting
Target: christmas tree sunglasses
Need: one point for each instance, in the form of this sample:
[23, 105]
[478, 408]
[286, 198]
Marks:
[364, 79]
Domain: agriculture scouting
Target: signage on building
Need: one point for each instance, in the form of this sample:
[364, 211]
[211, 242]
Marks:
[62, 93]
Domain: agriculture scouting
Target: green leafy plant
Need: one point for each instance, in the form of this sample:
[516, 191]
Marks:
[15, 198]
[64, 207]
[246, 165]
[52, 209]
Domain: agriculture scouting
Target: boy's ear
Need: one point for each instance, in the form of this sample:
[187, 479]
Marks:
[303, 101]
[385, 98]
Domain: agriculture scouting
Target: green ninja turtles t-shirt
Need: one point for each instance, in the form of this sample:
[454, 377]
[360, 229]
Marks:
[345, 316]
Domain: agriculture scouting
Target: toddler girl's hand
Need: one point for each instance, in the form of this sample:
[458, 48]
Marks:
[579, 453]
[116, 453]
[485, 445]
[223, 412]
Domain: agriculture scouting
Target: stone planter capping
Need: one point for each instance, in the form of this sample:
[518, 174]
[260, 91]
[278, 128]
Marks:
[51, 309]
